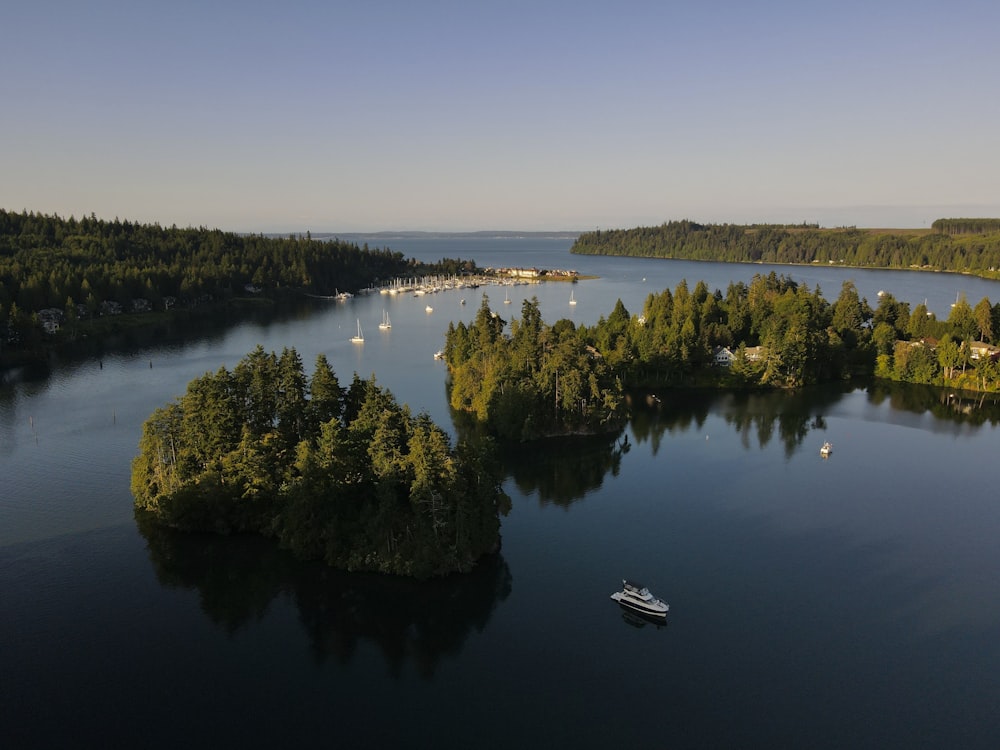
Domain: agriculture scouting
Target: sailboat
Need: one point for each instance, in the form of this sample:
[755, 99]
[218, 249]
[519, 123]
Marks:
[360, 338]
[386, 324]
[506, 296]
[571, 300]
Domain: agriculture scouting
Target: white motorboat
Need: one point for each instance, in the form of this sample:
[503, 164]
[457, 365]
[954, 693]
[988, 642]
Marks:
[826, 450]
[360, 338]
[439, 354]
[636, 597]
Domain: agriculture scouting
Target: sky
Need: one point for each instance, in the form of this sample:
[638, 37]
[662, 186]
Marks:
[335, 116]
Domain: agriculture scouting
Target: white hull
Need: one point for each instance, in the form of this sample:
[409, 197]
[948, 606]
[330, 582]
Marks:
[653, 609]
[636, 597]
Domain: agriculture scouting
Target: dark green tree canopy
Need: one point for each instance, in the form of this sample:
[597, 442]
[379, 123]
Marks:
[351, 478]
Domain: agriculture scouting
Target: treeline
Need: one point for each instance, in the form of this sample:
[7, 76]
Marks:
[46, 260]
[539, 380]
[960, 352]
[80, 266]
[780, 334]
[344, 475]
[966, 226]
[545, 379]
[957, 250]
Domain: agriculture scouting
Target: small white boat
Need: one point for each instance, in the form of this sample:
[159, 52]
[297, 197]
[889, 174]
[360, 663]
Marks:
[506, 297]
[636, 597]
[881, 292]
[826, 450]
[386, 324]
[572, 301]
[439, 354]
[428, 309]
[360, 338]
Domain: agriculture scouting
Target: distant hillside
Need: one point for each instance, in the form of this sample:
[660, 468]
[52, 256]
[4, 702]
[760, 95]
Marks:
[950, 246]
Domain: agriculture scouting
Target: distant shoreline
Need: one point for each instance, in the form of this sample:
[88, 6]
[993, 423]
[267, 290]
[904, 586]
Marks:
[408, 235]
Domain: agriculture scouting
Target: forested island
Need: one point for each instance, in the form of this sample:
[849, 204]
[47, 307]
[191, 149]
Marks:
[960, 245]
[540, 379]
[344, 475]
[63, 279]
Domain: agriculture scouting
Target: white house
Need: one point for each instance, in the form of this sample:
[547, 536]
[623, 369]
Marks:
[722, 356]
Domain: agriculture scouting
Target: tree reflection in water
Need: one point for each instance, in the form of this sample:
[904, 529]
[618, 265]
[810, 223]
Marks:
[564, 470]
[757, 416]
[237, 578]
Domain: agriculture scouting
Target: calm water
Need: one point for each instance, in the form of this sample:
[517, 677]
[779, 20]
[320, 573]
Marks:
[848, 602]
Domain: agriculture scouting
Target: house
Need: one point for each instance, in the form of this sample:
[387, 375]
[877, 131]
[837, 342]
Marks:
[51, 319]
[980, 349]
[524, 273]
[722, 356]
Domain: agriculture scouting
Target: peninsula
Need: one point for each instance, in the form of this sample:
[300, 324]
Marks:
[960, 245]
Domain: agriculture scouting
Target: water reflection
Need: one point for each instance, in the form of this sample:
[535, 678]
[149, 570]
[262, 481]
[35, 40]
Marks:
[238, 577]
[163, 336]
[637, 621]
[564, 470]
[948, 406]
[757, 416]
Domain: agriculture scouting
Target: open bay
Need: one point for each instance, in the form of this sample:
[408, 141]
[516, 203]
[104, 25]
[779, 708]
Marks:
[847, 602]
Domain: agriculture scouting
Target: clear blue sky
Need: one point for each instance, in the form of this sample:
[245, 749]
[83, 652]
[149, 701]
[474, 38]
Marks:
[371, 115]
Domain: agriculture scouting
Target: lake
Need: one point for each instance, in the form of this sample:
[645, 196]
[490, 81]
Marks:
[841, 602]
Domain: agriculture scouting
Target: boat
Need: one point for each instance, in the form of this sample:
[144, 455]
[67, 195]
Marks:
[506, 297]
[360, 338]
[439, 354]
[637, 598]
[386, 324]
[881, 292]
[428, 309]
[571, 300]
[826, 450]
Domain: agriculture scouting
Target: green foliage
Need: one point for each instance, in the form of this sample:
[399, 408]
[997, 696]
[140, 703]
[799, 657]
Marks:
[966, 226]
[351, 478]
[48, 262]
[547, 380]
[967, 245]
[540, 380]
